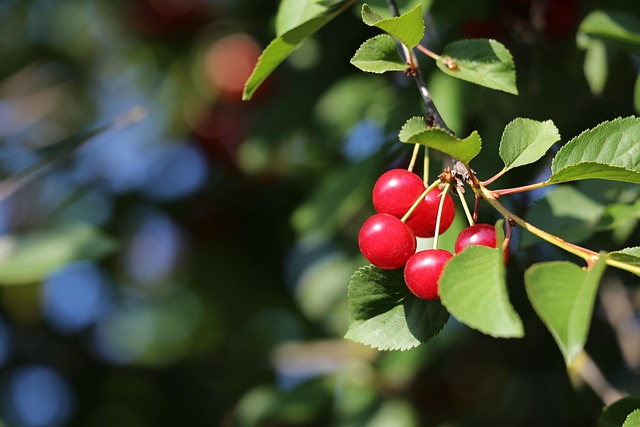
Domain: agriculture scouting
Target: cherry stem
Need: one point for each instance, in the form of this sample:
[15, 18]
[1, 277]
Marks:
[507, 235]
[418, 200]
[414, 157]
[588, 255]
[439, 217]
[514, 190]
[476, 207]
[464, 205]
[425, 172]
[428, 52]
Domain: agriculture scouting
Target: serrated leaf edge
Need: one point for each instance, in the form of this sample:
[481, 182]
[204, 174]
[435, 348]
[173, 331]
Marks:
[360, 48]
[572, 140]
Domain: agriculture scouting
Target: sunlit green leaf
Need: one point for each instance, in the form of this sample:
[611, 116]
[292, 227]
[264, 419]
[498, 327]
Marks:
[615, 414]
[408, 27]
[30, 257]
[608, 151]
[484, 62]
[525, 141]
[386, 316]
[416, 131]
[473, 288]
[378, 54]
[563, 295]
[282, 46]
[292, 13]
[633, 419]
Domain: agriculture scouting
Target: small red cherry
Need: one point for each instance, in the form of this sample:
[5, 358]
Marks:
[386, 242]
[478, 234]
[423, 220]
[395, 192]
[423, 270]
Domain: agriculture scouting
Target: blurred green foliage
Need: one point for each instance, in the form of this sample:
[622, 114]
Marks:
[223, 301]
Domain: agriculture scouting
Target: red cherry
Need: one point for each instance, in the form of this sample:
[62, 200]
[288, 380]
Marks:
[386, 242]
[423, 220]
[423, 270]
[396, 191]
[478, 234]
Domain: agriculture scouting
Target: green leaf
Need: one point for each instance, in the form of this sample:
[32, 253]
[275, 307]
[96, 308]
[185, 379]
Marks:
[484, 62]
[633, 419]
[615, 414]
[608, 151]
[596, 67]
[575, 215]
[292, 13]
[525, 141]
[378, 54]
[618, 29]
[386, 316]
[563, 295]
[30, 257]
[472, 287]
[416, 131]
[282, 46]
[408, 27]
[628, 256]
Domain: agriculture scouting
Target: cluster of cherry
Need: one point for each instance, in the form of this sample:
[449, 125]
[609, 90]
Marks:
[388, 238]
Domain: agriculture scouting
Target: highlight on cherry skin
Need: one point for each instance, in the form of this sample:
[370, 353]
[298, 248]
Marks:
[478, 234]
[386, 242]
[423, 270]
[396, 190]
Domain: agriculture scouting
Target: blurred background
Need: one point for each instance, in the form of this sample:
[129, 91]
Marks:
[190, 267]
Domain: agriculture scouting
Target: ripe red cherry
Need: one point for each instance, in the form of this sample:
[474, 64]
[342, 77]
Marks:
[423, 220]
[386, 242]
[395, 191]
[478, 234]
[423, 270]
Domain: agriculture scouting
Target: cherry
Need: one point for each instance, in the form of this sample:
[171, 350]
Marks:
[423, 270]
[396, 191]
[386, 242]
[478, 234]
[423, 220]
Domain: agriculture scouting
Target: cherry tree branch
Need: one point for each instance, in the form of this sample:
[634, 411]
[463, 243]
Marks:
[432, 115]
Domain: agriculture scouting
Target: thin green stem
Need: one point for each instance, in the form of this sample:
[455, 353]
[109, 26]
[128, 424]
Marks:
[588, 255]
[464, 205]
[414, 157]
[425, 173]
[514, 190]
[418, 200]
[624, 266]
[438, 218]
